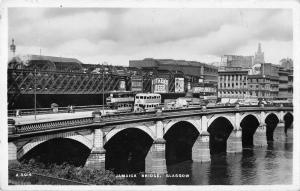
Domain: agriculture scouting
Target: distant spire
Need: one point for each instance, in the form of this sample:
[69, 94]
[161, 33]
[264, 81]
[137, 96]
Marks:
[259, 55]
[13, 47]
[259, 48]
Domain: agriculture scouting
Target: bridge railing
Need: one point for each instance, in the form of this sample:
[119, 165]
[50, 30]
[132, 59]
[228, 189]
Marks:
[41, 111]
[43, 126]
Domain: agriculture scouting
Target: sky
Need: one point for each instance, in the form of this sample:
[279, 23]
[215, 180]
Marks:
[117, 35]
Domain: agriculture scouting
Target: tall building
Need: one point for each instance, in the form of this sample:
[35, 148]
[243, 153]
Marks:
[259, 55]
[264, 81]
[233, 83]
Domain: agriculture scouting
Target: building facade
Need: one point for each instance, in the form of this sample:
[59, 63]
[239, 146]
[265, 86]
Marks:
[283, 84]
[207, 72]
[237, 61]
[259, 87]
[263, 81]
[197, 75]
[233, 83]
[290, 85]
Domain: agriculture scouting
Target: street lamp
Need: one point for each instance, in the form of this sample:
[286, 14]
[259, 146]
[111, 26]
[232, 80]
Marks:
[102, 88]
[35, 85]
[35, 92]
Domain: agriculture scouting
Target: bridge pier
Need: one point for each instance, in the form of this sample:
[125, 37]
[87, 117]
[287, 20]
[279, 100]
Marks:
[234, 142]
[12, 152]
[156, 157]
[155, 161]
[12, 147]
[259, 138]
[96, 158]
[200, 150]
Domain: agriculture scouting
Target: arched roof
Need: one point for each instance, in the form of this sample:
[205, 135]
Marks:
[58, 63]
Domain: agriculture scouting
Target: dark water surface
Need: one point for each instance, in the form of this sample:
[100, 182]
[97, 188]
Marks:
[261, 165]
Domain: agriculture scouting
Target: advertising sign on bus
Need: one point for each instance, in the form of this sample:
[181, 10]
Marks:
[160, 85]
[179, 85]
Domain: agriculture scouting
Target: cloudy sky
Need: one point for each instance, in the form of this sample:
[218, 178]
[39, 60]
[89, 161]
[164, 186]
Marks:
[117, 35]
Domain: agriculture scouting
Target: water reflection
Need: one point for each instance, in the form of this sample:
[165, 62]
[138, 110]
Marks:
[248, 166]
[253, 166]
[218, 173]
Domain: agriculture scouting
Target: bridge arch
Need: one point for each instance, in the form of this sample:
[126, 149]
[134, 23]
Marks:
[33, 143]
[273, 114]
[219, 131]
[257, 116]
[180, 138]
[115, 131]
[271, 121]
[249, 125]
[127, 148]
[288, 119]
[194, 123]
[215, 117]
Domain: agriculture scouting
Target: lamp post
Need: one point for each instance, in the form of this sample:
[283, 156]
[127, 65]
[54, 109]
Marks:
[35, 85]
[35, 92]
[102, 88]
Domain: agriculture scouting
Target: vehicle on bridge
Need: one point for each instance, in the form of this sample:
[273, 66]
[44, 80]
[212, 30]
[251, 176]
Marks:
[120, 101]
[146, 102]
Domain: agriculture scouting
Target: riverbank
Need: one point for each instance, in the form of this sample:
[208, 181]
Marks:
[38, 174]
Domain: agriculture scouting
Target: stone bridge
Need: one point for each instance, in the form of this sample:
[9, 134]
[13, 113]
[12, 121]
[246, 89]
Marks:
[146, 142]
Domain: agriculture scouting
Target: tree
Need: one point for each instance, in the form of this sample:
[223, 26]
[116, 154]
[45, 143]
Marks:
[287, 63]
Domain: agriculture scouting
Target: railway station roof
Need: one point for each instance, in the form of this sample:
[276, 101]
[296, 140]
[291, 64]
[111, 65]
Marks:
[55, 62]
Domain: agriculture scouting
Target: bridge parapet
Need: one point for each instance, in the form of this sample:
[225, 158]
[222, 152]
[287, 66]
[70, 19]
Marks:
[138, 117]
[43, 126]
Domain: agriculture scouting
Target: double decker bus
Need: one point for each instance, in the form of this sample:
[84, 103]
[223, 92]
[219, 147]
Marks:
[146, 102]
[120, 101]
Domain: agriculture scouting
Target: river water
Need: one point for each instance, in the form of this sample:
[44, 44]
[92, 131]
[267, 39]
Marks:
[261, 165]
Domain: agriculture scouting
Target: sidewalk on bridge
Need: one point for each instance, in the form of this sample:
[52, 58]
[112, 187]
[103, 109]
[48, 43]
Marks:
[50, 117]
